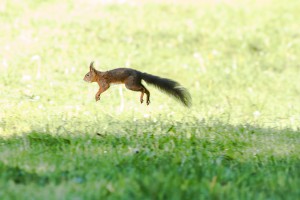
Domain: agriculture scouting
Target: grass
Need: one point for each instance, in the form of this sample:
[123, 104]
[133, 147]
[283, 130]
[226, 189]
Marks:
[239, 60]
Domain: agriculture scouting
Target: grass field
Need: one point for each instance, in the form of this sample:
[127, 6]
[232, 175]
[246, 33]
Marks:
[239, 59]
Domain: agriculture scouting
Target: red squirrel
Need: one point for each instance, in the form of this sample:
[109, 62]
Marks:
[133, 81]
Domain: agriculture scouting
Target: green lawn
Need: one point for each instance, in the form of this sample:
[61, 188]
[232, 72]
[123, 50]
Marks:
[239, 140]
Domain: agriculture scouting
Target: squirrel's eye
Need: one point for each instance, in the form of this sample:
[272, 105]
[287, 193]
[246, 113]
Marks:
[87, 75]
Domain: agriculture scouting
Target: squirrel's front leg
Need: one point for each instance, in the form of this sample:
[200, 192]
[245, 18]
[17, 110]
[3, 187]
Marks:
[102, 89]
[97, 96]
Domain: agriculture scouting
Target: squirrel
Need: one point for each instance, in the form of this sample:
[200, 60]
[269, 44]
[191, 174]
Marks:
[133, 81]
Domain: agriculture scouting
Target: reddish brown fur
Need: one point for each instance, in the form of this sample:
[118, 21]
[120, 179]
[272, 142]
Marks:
[130, 77]
[133, 81]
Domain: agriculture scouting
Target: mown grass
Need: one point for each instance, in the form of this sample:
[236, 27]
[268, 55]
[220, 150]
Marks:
[239, 60]
[217, 161]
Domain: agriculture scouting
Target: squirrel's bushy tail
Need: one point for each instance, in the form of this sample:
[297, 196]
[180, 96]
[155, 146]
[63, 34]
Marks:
[170, 87]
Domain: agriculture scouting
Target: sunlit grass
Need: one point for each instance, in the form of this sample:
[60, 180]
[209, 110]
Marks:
[239, 60]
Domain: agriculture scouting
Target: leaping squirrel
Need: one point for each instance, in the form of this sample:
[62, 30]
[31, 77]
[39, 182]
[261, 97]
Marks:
[133, 81]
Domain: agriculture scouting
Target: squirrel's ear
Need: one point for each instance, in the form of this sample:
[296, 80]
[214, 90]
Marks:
[92, 66]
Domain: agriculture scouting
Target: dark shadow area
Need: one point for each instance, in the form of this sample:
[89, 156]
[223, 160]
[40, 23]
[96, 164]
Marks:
[183, 160]
[21, 176]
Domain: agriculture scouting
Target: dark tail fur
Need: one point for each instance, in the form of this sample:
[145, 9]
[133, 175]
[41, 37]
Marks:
[170, 87]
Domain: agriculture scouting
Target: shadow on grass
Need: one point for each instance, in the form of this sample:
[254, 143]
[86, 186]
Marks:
[21, 176]
[205, 160]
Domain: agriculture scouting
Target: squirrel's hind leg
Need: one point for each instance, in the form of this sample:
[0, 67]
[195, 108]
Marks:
[144, 90]
[137, 86]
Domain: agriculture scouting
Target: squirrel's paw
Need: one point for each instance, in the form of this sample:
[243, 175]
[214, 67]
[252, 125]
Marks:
[97, 98]
[148, 102]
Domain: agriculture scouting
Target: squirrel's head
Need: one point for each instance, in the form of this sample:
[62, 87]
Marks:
[91, 75]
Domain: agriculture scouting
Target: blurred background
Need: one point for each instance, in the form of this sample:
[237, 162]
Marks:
[239, 60]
